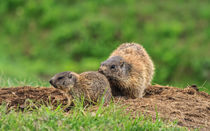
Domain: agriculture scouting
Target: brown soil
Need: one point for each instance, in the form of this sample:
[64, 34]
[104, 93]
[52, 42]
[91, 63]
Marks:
[18, 97]
[187, 106]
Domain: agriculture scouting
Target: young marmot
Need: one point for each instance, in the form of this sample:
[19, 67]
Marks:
[129, 70]
[91, 85]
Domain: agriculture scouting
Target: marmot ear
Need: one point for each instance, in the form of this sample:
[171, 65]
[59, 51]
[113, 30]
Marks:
[70, 75]
[126, 66]
[74, 78]
[122, 64]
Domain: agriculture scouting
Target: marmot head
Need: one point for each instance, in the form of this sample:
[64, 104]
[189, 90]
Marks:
[64, 80]
[115, 68]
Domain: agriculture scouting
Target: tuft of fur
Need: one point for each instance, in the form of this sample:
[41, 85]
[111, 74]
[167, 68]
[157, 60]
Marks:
[91, 85]
[129, 70]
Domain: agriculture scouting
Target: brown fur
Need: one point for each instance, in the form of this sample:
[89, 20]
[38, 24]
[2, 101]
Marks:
[92, 85]
[129, 70]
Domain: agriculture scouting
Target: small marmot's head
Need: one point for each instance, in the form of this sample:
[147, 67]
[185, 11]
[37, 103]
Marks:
[115, 68]
[64, 80]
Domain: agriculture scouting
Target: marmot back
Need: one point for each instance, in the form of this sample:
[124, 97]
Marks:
[96, 85]
[92, 85]
[129, 70]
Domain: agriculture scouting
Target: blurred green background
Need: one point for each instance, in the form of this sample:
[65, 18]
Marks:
[39, 38]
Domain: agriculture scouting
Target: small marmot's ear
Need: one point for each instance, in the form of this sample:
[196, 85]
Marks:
[74, 77]
[128, 67]
[122, 64]
[70, 75]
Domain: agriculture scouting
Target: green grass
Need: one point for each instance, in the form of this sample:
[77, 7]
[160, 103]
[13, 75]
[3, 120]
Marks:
[12, 82]
[105, 118]
[202, 87]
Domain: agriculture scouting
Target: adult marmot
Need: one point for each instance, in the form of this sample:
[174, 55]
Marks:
[129, 70]
[93, 86]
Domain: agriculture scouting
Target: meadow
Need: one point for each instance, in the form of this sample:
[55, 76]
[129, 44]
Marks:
[105, 118]
[43, 37]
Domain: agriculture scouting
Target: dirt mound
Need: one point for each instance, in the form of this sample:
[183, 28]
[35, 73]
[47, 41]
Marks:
[188, 106]
[20, 96]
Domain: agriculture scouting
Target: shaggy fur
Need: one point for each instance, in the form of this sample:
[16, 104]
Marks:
[92, 85]
[129, 70]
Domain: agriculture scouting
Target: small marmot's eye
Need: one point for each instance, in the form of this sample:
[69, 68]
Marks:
[112, 67]
[59, 78]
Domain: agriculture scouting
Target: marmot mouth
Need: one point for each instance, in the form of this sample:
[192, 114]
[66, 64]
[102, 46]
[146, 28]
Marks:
[111, 78]
[100, 71]
[53, 85]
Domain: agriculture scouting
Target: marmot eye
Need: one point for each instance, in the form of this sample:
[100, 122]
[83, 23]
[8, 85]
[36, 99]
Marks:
[112, 67]
[59, 78]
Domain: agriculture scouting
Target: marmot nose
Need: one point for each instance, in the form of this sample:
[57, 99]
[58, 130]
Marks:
[51, 82]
